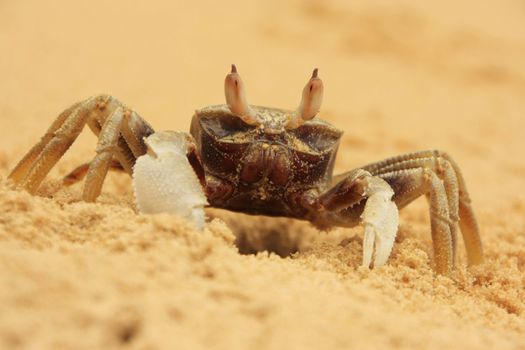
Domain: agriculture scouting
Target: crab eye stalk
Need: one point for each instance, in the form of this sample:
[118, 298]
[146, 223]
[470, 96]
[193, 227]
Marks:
[236, 97]
[310, 102]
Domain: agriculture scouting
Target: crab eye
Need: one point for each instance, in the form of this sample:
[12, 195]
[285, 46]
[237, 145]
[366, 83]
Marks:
[225, 126]
[310, 102]
[318, 138]
[236, 97]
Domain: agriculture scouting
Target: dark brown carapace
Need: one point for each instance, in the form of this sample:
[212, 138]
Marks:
[262, 168]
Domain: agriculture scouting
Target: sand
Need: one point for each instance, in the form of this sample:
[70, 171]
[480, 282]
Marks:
[398, 78]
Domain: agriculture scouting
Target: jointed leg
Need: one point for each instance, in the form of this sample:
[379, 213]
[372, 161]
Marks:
[439, 167]
[80, 172]
[430, 173]
[412, 183]
[456, 192]
[98, 168]
[51, 148]
[23, 167]
[120, 132]
[132, 131]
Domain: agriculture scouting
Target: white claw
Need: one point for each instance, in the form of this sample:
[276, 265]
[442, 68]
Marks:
[165, 182]
[380, 219]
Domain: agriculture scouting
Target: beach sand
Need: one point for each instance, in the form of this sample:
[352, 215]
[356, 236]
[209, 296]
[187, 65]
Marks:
[444, 75]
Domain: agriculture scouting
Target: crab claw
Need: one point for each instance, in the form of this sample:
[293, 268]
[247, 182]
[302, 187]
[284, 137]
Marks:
[380, 219]
[311, 100]
[236, 97]
[164, 181]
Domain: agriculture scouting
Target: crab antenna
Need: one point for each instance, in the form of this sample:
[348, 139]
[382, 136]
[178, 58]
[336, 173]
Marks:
[311, 100]
[236, 97]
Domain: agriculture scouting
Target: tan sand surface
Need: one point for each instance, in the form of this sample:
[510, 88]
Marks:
[398, 77]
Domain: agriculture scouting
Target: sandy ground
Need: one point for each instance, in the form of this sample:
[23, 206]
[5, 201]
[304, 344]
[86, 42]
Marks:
[397, 79]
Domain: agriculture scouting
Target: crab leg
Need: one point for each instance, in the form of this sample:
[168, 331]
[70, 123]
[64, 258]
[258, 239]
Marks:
[80, 172]
[361, 197]
[98, 168]
[121, 132]
[53, 145]
[411, 183]
[133, 132]
[346, 192]
[133, 129]
[445, 172]
[457, 195]
[429, 173]
[23, 167]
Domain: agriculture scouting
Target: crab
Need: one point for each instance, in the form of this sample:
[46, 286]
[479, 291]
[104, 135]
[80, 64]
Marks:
[262, 161]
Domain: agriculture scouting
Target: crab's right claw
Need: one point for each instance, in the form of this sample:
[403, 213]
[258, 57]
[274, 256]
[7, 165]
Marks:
[380, 219]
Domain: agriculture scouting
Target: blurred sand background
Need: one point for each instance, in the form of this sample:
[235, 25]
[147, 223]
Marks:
[398, 77]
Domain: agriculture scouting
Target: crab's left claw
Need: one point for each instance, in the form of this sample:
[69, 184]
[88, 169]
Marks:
[165, 182]
[380, 219]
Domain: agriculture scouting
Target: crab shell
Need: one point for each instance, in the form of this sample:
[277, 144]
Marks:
[259, 169]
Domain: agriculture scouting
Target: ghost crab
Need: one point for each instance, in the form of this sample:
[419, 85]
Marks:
[261, 160]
